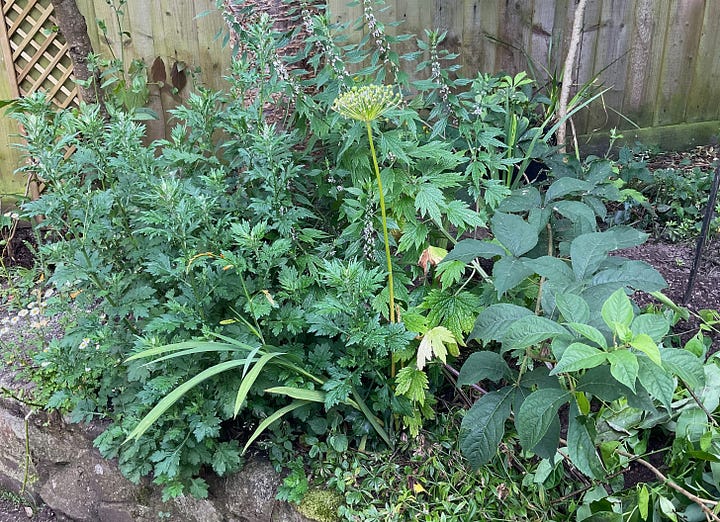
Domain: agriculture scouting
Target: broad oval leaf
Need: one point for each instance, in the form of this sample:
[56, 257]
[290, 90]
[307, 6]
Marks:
[654, 325]
[617, 310]
[624, 367]
[691, 424]
[514, 233]
[579, 356]
[645, 344]
[566, 185]
[572, 307]
[483, 427]
[493, 322]
[537, 413]
[521, 200]
[590, 333]
[657, 381]
[529, 330]
[548, 445]
[598, 382]
[581, 448]
[469, 249]
[588, 251]
[685, 366]
[483, 365]
[508, 272]
[578, 213]
[635, 274]
[551, 267]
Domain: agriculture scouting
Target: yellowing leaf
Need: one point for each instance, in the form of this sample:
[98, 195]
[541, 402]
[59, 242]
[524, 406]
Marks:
[431, 256]
[436, 343]
[269, 298]
[417, 488]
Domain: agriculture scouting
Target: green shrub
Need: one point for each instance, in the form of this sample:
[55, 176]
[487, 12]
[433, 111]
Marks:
[242, 253]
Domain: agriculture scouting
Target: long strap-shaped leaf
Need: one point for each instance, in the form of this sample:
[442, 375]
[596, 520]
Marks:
[319, 396]
[299, 393]
[175, 395]
[372, 419]
[251, 377]
[195, 351]
[186, 345]
[272, 418]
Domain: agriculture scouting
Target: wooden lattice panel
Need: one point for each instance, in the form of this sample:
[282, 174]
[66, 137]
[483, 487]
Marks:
[36, 52]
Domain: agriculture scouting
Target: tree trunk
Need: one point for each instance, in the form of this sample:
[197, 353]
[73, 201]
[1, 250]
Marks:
[74, 29]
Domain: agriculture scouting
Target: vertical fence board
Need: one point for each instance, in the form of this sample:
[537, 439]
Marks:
[681, 43]
[541, 40]
[645, 61]
[473, 47]
[489, 17]
[703, 97]
[213, 55]
[513, 35]
[587, 66]
[141, 28]
[610, 63]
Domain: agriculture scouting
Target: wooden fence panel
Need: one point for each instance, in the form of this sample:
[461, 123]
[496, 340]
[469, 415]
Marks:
[660, 59]
[183, 32]
[702, 102]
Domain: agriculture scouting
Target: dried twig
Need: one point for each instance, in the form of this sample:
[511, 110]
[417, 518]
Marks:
[702, 502]
[567, 79]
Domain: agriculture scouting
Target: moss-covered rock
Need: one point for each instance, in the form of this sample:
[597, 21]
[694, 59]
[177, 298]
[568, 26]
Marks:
[321, 505]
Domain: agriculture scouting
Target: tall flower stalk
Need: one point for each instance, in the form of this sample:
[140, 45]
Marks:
[366, 104]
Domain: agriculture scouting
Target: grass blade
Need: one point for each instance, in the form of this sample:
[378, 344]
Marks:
[272, 418]
[374, 421]
[175, 395]
[193, 351]
[251, 377]
[187, 345]
[299, 393]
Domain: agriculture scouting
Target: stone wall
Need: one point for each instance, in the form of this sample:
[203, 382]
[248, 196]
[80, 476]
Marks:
[69, 475]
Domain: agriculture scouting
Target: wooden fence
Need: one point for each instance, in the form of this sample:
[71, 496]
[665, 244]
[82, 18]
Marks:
[660, 58]
[185, 35]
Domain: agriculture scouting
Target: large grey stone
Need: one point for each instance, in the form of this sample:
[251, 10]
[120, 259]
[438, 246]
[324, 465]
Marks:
[71, 477]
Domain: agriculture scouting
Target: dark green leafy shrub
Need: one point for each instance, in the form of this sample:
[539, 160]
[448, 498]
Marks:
[242, 254]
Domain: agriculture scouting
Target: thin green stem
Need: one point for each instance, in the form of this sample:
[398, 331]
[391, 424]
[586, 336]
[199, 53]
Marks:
[391, 288]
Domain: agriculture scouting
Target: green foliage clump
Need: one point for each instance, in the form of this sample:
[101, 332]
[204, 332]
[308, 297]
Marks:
[229, 282]
[675, 197]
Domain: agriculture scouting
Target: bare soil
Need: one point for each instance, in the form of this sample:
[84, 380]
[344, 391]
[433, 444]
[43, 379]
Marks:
[674, 262]
[13, 511]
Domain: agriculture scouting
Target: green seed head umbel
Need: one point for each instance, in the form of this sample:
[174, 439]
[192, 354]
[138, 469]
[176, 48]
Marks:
[366, 103]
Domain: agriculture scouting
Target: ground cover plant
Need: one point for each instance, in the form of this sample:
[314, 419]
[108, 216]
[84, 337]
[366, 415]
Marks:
[676, 187]
[327, 261]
